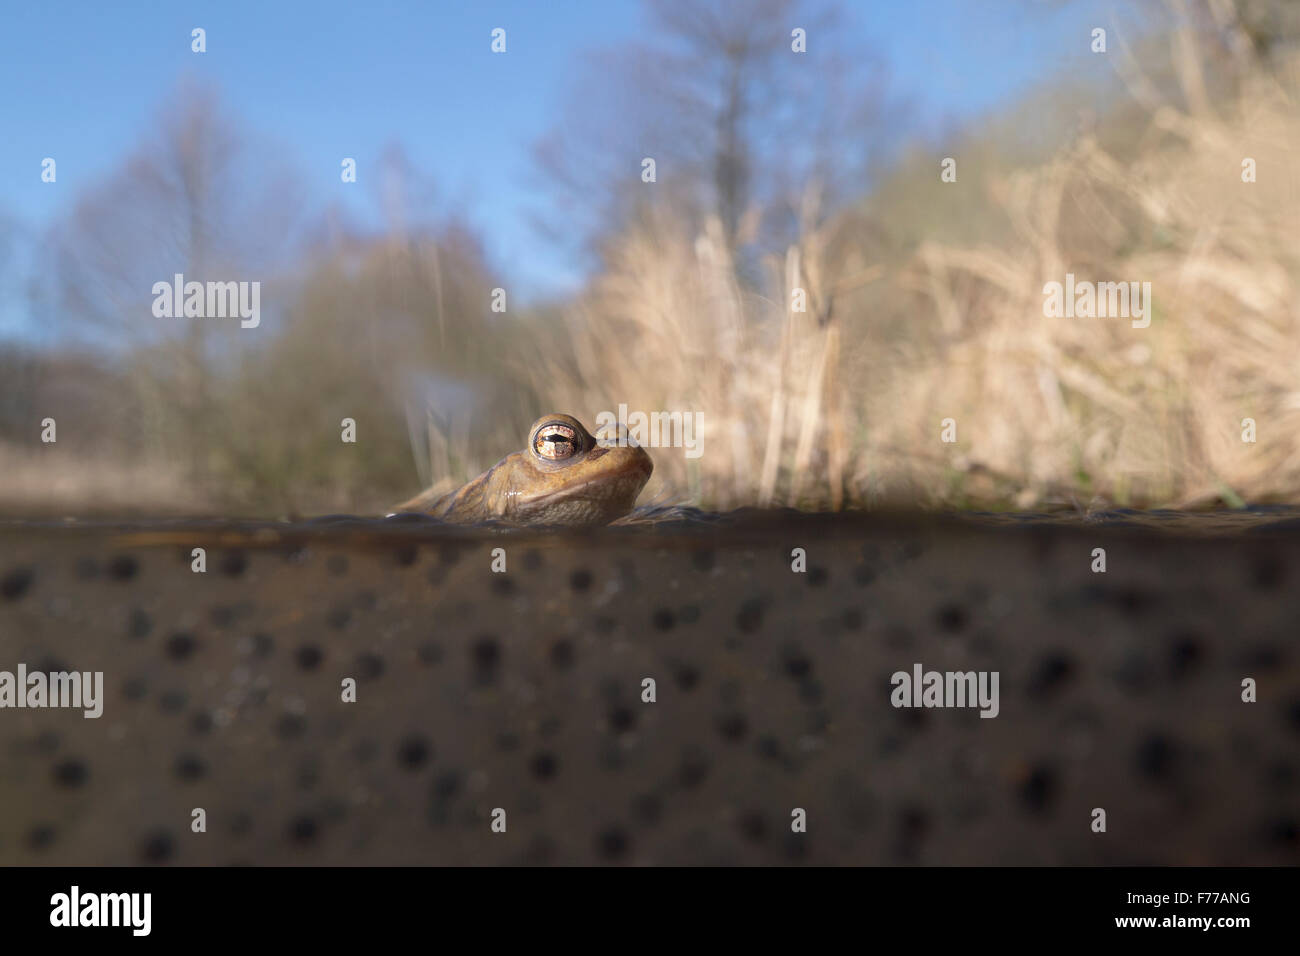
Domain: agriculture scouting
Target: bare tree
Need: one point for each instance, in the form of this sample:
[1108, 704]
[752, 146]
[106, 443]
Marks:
[741, 126]
[191, 199]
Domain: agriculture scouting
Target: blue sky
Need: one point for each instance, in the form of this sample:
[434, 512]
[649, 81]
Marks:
[84, 81]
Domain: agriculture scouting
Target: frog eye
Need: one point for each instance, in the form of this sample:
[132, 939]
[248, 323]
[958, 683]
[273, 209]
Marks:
[556, 442]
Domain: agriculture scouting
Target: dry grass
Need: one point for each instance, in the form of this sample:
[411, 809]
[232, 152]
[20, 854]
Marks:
[1094, 406]
[843, 403]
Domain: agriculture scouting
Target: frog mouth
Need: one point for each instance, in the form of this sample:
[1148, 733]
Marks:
[629, 478]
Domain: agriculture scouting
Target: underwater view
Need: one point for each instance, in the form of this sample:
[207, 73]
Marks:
[369, 691]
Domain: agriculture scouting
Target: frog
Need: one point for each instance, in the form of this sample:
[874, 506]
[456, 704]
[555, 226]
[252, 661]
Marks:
[564, 476]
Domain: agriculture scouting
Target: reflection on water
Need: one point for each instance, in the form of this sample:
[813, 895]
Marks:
[661, 520]
[1254, 518]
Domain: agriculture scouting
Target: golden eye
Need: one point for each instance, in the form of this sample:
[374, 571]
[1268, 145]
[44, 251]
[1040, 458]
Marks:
[556, 441]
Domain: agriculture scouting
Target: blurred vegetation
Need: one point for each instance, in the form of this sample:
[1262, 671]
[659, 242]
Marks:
[775, 172]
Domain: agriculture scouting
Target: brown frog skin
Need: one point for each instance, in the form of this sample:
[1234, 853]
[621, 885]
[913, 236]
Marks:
[562, 477]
